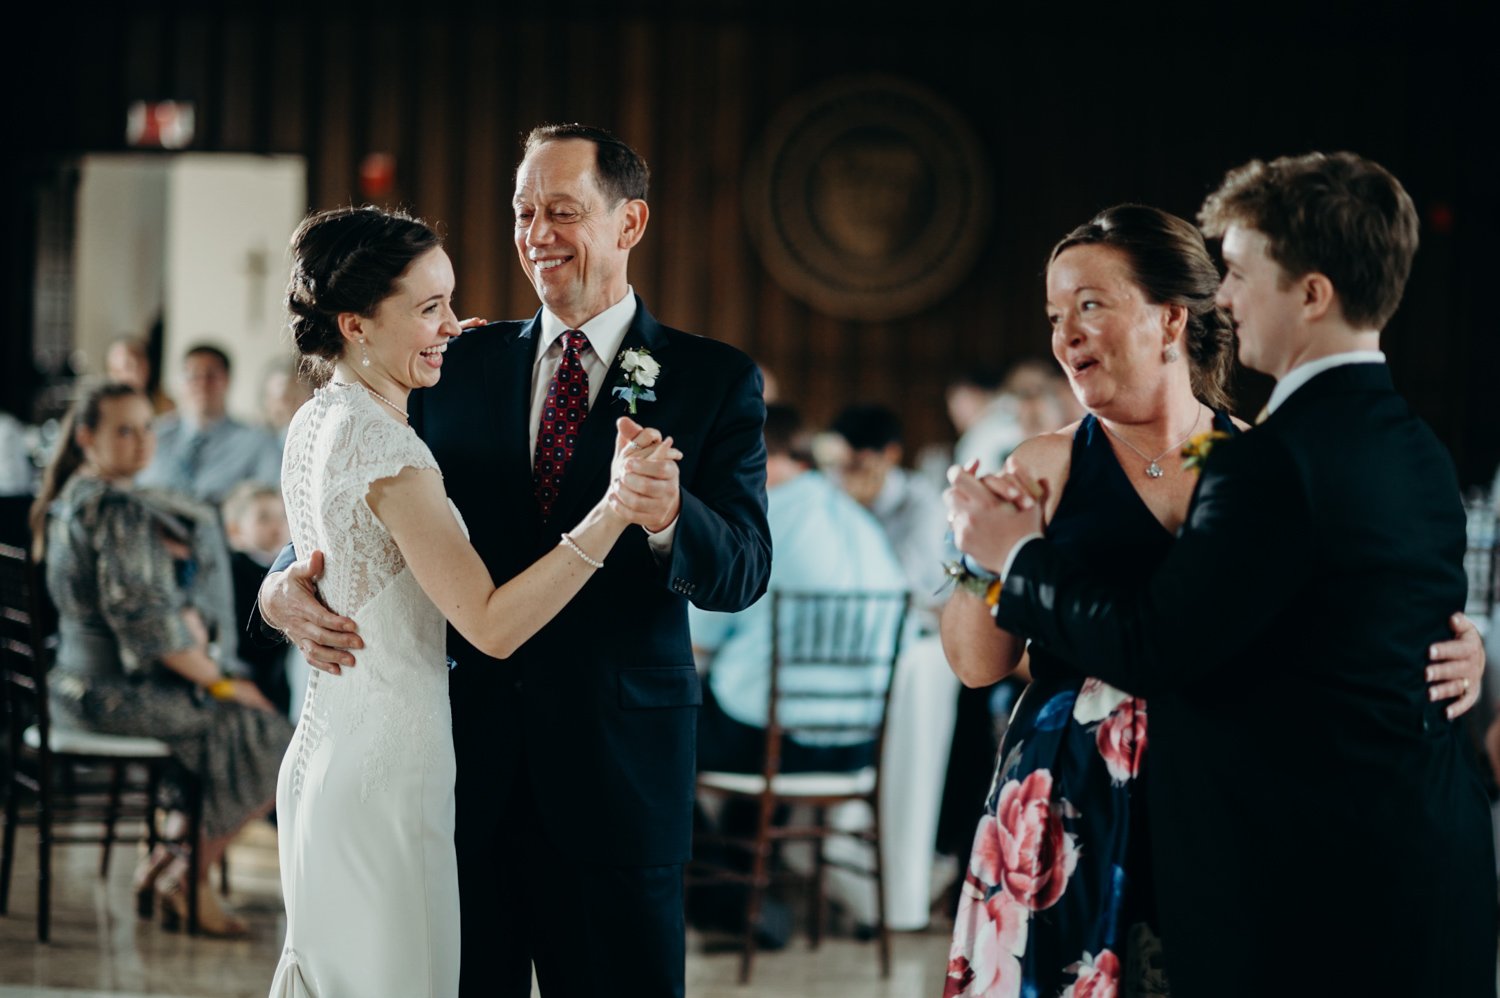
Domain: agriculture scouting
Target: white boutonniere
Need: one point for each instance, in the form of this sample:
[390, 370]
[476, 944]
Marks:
[639, 371]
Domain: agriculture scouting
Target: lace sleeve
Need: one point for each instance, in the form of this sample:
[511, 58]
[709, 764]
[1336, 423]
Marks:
[383, 448]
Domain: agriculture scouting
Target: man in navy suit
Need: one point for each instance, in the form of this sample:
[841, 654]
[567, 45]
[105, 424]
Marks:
[1317, 824]
[576, 755]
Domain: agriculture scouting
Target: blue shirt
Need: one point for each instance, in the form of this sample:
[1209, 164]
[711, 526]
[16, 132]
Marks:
[207, 462]
[823, 540]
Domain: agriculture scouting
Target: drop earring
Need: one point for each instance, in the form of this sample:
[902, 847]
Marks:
[1168, 356]
[364, 360]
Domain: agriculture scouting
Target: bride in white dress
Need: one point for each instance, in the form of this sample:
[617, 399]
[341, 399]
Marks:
[365, 797]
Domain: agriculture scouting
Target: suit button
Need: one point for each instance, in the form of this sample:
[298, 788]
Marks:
[517, 685]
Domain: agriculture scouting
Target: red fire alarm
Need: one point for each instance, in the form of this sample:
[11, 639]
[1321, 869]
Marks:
[377, 175]
[166, 124]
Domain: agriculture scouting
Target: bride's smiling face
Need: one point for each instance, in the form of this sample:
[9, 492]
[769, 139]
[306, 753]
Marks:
[411, 327]
[1105, 334]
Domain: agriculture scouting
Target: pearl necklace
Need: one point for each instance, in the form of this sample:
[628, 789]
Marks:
[403, 411]
[1153, 470]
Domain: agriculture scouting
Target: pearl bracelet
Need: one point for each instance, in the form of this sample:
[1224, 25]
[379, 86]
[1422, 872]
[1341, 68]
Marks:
[580, 552]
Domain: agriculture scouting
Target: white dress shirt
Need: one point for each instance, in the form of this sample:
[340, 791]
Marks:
[1303, 373]
[606, 331]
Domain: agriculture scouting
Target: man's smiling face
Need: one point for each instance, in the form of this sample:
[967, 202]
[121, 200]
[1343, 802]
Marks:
[573, 244]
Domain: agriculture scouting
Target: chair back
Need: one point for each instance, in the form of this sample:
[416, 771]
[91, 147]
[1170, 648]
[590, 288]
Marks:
[23, 650]
[832, 658]
[1482, 557]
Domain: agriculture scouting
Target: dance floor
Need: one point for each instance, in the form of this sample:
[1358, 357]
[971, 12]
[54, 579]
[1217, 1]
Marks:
[100, 948]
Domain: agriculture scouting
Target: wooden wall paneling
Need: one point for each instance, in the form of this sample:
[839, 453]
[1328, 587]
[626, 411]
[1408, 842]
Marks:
[240, 83]
[84, 107]
[634, 119]
[197, 55]
[532, 70]
[590, 64]
[433, 139]
[881, 354]
[778, 346]
[929, 341]
[682, 299]
[480, 258]
[331, 173]
[831, 377]
[147, 43]
[384, 71]
[729, 305]
[292, 109]
[450, 145]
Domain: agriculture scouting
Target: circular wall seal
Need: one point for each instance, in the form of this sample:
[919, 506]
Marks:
[868, 198]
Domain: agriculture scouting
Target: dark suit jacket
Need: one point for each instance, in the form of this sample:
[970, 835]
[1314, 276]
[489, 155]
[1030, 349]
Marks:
[1317, 826]
[598, 711]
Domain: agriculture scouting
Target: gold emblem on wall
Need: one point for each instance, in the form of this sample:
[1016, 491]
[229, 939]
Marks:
[868, 198]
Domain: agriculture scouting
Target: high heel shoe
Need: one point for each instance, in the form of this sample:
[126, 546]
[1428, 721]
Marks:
[212, 920]
[144, 881]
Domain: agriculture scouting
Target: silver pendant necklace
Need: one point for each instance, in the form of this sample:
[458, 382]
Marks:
[1153, 470]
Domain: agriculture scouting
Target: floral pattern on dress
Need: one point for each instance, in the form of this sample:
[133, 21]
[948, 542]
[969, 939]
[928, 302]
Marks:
[1098, 976]
[989, 937]
[1020, 864]
[1122, 739]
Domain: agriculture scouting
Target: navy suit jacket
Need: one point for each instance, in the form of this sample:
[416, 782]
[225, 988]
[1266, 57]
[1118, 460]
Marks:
[1302, 790]
[598, 711]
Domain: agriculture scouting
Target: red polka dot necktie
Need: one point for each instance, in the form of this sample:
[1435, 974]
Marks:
[563, 413]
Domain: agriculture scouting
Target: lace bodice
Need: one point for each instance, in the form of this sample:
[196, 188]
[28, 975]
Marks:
[338, 444]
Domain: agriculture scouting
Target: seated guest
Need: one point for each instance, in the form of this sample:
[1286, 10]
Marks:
[255, 523]
[985, 417]
[129, 362]
[282, 393]
[133, 656]
[824, 541]
[202, 452]
[867, 464]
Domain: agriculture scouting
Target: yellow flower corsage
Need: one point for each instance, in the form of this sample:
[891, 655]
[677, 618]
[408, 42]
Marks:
[1197, 448]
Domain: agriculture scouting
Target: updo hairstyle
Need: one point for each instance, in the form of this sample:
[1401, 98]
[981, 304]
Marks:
[1169, 262]
[346, 260]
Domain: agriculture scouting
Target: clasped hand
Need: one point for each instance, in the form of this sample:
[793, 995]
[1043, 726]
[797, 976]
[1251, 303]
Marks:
[991, 513]
[643, 479]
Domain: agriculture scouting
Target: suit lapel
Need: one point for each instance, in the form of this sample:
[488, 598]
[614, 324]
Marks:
[588, 472]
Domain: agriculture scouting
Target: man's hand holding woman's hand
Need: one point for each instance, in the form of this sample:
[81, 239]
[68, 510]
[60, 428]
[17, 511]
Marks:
[643, 479]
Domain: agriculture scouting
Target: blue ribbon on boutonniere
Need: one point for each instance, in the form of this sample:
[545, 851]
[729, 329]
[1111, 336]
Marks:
[638, 373]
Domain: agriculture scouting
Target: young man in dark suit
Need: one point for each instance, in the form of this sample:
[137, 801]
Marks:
[1317, 822]
[576, 755]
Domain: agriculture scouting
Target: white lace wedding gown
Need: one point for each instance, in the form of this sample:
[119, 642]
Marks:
[364, 802]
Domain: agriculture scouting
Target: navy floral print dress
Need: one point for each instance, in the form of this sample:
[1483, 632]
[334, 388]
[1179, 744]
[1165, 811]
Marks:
[1057, 898]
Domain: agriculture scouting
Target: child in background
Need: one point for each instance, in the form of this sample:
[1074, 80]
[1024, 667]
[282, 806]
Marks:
[255, 523]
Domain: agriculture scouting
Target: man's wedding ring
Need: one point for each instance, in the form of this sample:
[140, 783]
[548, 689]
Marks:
[1466, 684]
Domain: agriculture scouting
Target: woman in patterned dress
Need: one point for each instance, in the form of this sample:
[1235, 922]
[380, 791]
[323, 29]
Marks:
[133, 654]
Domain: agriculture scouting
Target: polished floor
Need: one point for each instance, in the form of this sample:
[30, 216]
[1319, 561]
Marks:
[99, 947]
